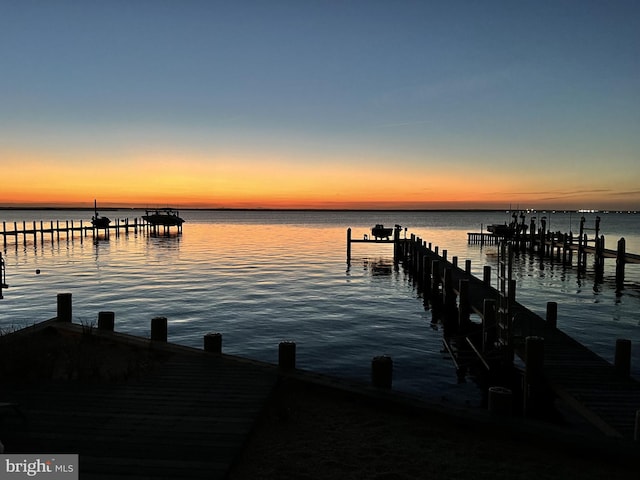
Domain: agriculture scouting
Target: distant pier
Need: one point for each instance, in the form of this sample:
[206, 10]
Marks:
[55, 230]
[564, 246]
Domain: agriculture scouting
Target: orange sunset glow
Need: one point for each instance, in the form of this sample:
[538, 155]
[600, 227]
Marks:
[330, 106]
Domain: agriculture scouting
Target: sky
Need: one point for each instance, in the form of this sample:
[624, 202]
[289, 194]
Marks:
[320, 104]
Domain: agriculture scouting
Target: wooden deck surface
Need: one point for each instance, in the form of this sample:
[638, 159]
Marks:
[187, 418]
[584, 380]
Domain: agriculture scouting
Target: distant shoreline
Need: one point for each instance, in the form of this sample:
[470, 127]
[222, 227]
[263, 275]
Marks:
[219, 209]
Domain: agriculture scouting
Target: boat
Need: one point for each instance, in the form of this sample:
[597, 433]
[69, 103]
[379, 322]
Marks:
[380, 231]
[97, 221]
[166, 217]
[508, 230]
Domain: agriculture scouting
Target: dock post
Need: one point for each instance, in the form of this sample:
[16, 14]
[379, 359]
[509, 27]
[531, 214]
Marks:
[486, 275]
[349, 247]
[213, 342]
[622, 360]
[500, 401]
[454, 261]
[534, 374]
[467, 267]
[426, 275]
[64, 307]
[382, 371]
[106, 321]
[159, 329]
[287, 355]
[552, 314]
[435, 278]
[620, 261]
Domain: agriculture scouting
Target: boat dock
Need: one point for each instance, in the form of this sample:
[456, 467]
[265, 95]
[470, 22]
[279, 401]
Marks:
[54, 231]
[554, 364]
[565, 247]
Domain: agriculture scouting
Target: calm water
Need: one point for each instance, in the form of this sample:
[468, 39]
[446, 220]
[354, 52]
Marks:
[263, 277]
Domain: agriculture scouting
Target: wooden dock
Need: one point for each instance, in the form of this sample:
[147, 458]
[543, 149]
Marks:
[602, 393]
[57, 230]
[186, 413]
[565, 247]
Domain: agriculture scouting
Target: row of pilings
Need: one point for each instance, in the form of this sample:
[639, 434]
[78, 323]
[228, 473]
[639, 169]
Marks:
[480, 349]
[564, 246]
[68, 229]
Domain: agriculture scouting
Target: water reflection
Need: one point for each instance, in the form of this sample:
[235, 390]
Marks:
[379, 266]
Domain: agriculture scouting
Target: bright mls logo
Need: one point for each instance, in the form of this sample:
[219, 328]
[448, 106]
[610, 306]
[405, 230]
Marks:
[53, 467]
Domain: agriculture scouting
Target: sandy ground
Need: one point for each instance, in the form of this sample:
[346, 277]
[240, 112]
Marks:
[311, 433]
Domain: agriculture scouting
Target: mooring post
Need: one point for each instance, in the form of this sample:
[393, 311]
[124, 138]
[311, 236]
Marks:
[349, 246]
[622, 360]
[552, 314]
[435, 278]
[106, 321]
[64, 307]
[620, 261]
[382, 371]
[426, 275]
[467, 267]
[486, 275]
[159, 329]
[213, 342]
[287, 355]
[500, 401]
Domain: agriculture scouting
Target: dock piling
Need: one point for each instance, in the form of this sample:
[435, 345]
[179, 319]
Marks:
[552, 314]
[500, 401]
[64, 307]
[213, 342]
[159, 329]
[106, 321]
[287, 355]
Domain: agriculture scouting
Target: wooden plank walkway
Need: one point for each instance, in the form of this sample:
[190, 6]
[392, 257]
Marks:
[188, 418]
[584, 380]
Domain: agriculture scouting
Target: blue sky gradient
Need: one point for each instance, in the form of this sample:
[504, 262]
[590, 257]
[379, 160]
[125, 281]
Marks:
[540, 98]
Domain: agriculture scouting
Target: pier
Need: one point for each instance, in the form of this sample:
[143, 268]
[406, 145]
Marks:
[563, 247]
[54, 230]
[555, 364]
[396, 241]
